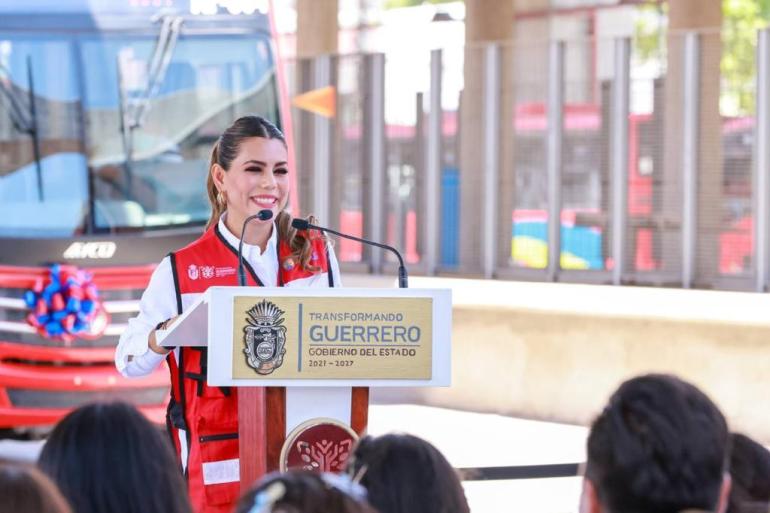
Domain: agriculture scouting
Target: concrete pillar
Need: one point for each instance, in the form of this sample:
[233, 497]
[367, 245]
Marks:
[704, 16]
[694, 14]
[317, 27]
[485, 21]
[317, 31]
[488, 20]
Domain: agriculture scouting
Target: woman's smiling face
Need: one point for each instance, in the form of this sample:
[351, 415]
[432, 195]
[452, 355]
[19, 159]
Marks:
[258, 179]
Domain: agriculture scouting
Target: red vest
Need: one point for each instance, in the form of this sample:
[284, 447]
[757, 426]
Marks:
[207, 415]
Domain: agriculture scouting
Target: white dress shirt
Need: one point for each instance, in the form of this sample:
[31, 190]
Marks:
[133, 356]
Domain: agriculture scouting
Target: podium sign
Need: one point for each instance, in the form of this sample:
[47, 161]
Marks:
[331, 337]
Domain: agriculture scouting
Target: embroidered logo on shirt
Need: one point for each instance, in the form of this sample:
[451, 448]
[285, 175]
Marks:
[224, 271]
[208, 272]
[288, 264]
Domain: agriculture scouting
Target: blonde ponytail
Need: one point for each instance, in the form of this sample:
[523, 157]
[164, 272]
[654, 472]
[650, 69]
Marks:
[300, 242]
[215, 199]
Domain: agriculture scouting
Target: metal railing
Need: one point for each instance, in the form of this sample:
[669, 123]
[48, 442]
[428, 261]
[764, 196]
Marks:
[563, 176]
[506, 473]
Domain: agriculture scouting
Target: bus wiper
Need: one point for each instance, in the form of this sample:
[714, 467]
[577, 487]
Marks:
[133, 113]
[25, 123]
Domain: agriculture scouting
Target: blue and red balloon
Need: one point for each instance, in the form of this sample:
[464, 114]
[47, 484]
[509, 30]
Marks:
[66, 305]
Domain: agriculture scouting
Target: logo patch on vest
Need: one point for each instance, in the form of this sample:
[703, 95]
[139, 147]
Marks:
[193, 272]
[264, 337]
[288, 264]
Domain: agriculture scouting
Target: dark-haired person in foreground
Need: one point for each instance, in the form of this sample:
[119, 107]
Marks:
[406, 474]
[750, 472]
[108, 458]
[660, 446]
[305, 492]
[24, 489]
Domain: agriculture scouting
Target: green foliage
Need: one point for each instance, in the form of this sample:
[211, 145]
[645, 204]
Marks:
[649, 28]
[740, 21]
[764, 9]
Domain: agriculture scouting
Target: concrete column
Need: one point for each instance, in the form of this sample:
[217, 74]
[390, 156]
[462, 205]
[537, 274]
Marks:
[485, 21]
[317, 27]
[317, 31]
[704, 16]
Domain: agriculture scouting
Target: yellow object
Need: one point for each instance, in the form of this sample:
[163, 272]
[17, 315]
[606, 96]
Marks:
[532, 253]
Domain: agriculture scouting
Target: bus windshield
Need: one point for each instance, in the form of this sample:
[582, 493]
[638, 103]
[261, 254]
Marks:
[85, 88]
[57, 202]
[210, 82]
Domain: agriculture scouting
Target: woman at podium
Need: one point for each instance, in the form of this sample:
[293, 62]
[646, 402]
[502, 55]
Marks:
[248, 175]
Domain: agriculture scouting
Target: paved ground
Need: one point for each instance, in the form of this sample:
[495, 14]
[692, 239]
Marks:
[468, 440]
[474, 439]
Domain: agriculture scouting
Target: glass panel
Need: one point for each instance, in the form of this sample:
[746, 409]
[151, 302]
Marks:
[46, 197]
[350, 154]
[737, 109]
[209, 83]
[529, 242]
[403, 150]
[449, 218]
[585, 167]
[653, 236]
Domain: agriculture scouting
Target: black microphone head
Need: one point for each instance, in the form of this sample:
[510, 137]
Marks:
[299, 224]
[264, 215]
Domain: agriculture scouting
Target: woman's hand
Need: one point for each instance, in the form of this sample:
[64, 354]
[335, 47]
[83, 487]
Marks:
[153, 341]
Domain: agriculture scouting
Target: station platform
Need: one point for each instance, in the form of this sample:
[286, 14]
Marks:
[556, 351]
[482, 440]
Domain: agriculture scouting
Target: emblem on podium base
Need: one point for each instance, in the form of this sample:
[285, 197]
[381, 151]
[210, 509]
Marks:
[320, 444]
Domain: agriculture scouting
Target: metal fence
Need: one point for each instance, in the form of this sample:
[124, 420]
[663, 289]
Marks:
[576, 160]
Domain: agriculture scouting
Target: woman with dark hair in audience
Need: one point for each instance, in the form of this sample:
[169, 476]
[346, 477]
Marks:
[108, 458]
[750, 472]
[24, 489]
[305, 492]
[405, 474]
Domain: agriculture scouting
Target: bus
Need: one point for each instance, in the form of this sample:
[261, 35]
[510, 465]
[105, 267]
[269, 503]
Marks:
[108, 112]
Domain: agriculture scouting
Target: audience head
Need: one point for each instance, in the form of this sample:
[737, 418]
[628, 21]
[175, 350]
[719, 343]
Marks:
[24, 489]
[659, 446]
[750, 472]
[108, 457]
[305, 492]
[405, 474]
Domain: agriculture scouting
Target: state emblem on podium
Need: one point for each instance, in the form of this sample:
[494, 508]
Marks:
[264, 337]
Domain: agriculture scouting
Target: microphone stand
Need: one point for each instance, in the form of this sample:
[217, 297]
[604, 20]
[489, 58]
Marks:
[403, 278]
[262, 215]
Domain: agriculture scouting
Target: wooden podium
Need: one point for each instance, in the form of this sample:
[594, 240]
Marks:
[304, 360]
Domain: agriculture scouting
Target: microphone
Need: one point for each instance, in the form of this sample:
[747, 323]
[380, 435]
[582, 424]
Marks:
[403, 279]
[262, 215]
